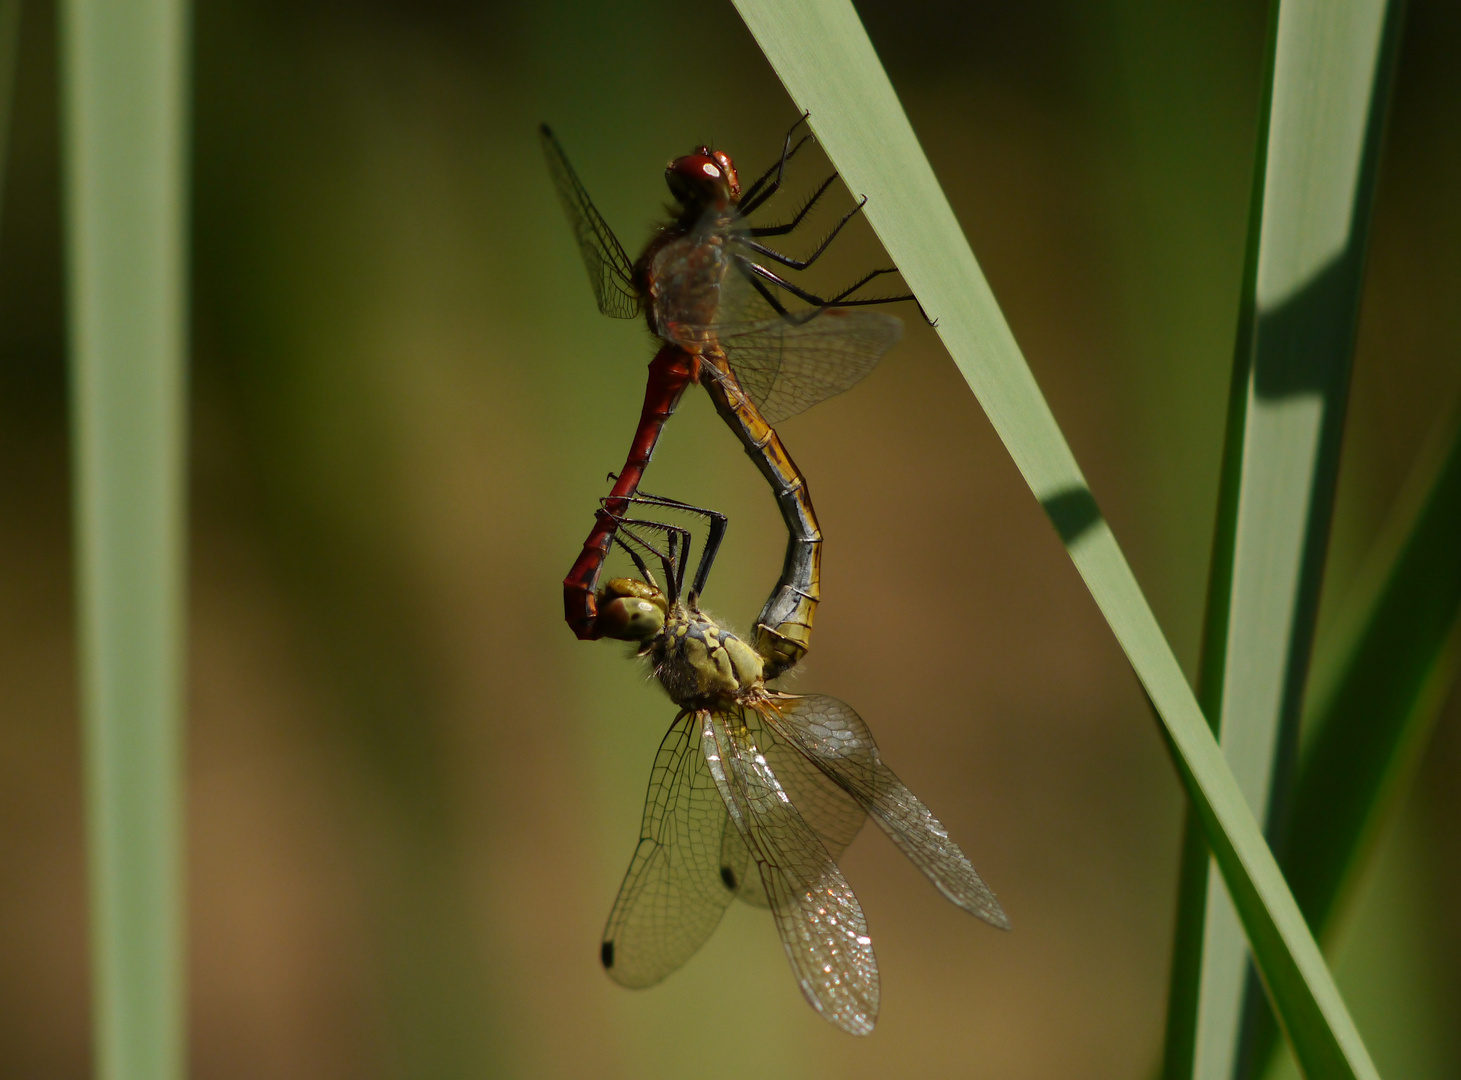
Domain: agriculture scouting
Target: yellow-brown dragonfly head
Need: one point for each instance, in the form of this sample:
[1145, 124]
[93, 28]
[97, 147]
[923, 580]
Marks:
[631, 610]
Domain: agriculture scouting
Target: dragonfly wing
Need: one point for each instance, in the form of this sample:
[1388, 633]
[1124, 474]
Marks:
[609, 270]
[787, 367]
[835, 816]
[674, 893]
[833, 736]
[788, 363]
[819, 919]
[736, 865]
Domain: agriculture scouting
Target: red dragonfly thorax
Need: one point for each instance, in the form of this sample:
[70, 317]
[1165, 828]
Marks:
[680, 271]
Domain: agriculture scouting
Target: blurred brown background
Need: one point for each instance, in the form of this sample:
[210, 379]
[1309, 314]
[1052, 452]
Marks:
[412, 792]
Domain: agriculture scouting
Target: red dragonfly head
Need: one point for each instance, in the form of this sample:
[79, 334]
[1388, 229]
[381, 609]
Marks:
[702, 180]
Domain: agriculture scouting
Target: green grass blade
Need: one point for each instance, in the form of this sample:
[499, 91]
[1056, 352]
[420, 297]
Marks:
[1327, 89]
[9, 53]
[123, 114]
[823, 56]
[1185, 983]
[1419, 506]
[1376, 703]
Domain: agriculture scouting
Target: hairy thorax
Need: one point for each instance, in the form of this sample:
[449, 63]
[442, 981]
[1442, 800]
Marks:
[682, 277]
[702, 665]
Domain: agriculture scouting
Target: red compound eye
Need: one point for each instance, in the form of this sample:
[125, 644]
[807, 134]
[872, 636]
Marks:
[701, 179]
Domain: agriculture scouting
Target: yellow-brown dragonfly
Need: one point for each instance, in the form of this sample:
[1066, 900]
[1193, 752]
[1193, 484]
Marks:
[754, 794]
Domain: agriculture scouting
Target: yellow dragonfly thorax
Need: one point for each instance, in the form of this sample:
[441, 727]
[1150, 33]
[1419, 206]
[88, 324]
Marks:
[700, 663]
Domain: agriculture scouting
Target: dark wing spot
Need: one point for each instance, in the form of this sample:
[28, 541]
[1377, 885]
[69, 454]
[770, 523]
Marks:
[728, 876]
[606, 954]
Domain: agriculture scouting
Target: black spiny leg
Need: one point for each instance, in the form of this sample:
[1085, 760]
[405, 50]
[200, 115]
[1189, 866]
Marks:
[753, 198]
[782, 230]
[672, 558]
[717, 523]
[760, 191]
[639, 565]
[802, 264]
[754, 271]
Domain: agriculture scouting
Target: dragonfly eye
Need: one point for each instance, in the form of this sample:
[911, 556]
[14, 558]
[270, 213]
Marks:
[728, 170]
[630, 610]
[701, 180]
[631, 619]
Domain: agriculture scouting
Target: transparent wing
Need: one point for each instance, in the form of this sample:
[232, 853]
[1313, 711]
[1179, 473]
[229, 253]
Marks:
[832, 735]
[835, 816]
[609, 270]
[819, 919]
[787, 364]
[674, 893]
[736, 866]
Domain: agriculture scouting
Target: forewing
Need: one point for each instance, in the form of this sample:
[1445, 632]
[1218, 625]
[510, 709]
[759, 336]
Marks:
[833, 736]
[789, 363]
[609, 270]
[674, 893]
[819, 919]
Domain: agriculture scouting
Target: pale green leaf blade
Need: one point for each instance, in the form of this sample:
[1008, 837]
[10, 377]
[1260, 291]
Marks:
[1328, 85]
[124, 159]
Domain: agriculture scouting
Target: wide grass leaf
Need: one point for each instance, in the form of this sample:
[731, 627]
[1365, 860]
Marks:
[1327, 88]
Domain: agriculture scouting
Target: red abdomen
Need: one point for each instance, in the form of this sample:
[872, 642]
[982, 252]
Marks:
[670, 372]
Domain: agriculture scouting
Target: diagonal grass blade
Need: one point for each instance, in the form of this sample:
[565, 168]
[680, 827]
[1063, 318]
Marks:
[824, 58]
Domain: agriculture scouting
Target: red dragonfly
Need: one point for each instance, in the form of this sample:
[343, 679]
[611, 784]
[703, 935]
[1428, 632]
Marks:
[705, 289]
[753, 796]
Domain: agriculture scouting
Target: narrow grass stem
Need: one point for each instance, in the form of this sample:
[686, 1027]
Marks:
[123, 115]
[9, 55]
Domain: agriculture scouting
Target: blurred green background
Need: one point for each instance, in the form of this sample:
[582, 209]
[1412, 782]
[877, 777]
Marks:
[412, 792]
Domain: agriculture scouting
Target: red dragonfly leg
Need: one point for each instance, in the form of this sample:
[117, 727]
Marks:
[670, 372]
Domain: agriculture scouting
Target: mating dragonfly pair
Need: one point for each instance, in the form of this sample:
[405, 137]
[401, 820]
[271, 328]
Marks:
[754, 792]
